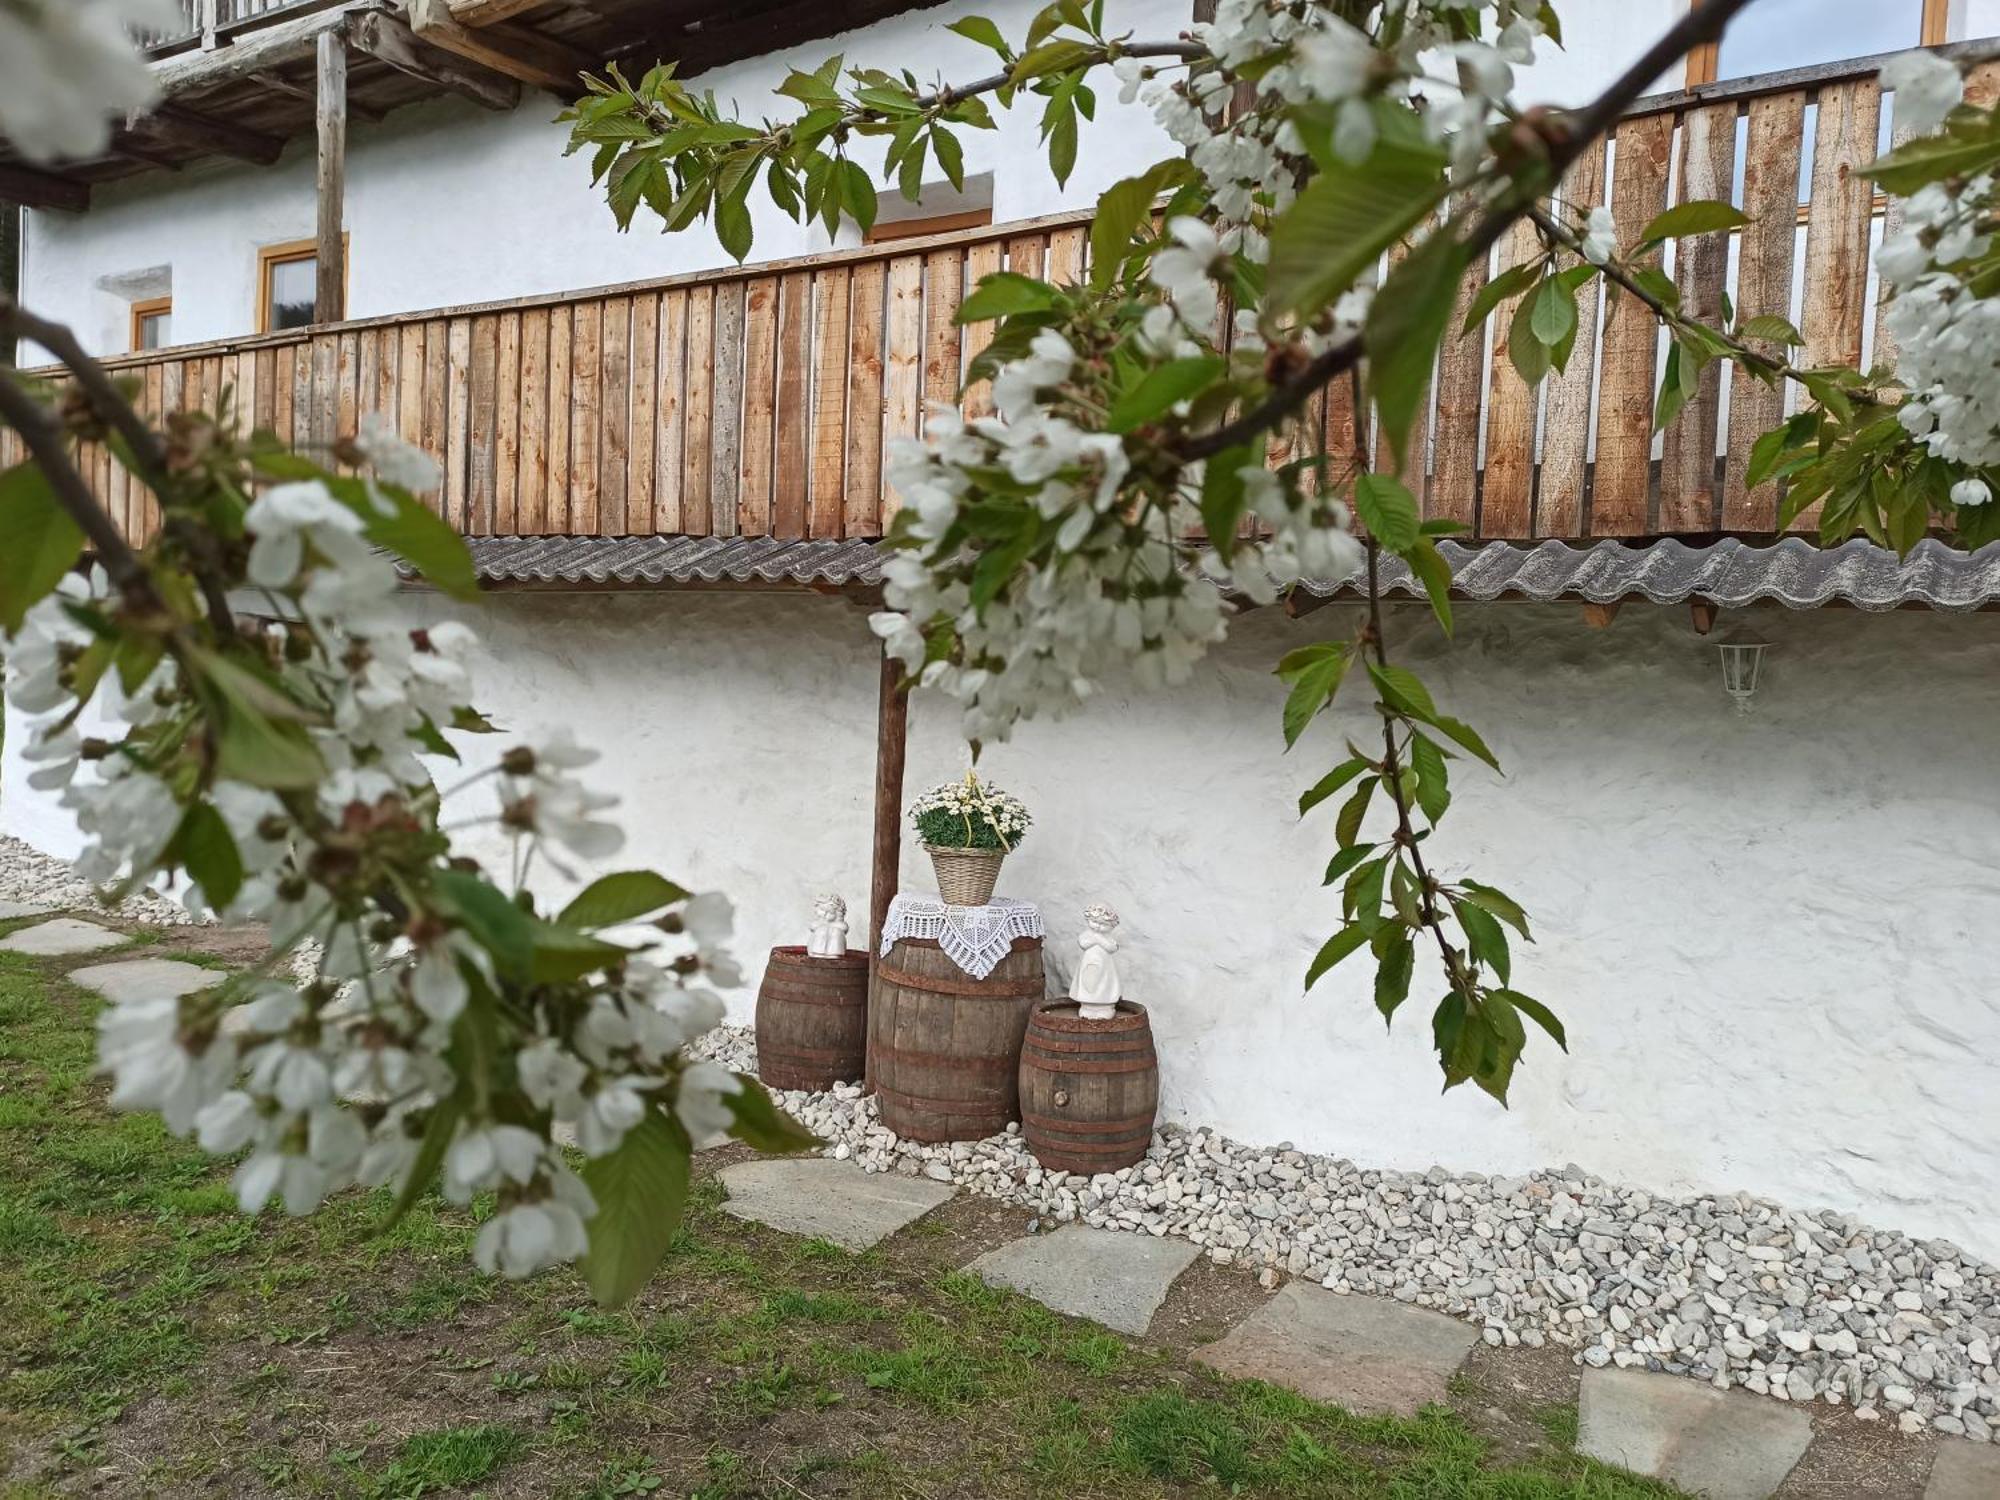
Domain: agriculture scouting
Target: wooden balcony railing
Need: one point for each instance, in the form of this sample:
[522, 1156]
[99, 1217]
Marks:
[759, 400]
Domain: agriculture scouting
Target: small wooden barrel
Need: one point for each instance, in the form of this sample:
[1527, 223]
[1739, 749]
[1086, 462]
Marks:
[812, 1019]
[946, 1048]
[1089, 1089]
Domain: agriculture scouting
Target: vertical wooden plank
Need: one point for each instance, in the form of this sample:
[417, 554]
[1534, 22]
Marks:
[507, 425]
[1566, 414]
[325, 404]
[1689, 496]
[726, 410]
[458, 394]
[281, 393]
[867, 301]
[982, 259]
[586, 399]
[1625, 389]
[409, 409]
[437, 403]
[1461, 385]
[532, 486]
[794, 423]
[388, 370]
[697, 414]
[1507, 494]
[944, 289]
[1774, 137]
[903, 375]
[347, 401]
[1066, 253]
[555, 499]
[1027, 254]
[615, 415]
[760, 397]
[830, 383]
[243, 398]
[368, 376]
[645, 385]
[670, 413]
[482, 395]
[302, 392]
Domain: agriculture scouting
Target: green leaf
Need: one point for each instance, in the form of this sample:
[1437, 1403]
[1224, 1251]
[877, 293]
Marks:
[1062, 145]
[1311, 692]
[438, 1131]
[205, 848]
[1483, 935]
[1435, 574]
[1433, 777]
[1347, 824]
[1122, 208]
[1554, 316]
[732, 226]
[42, 542]
[1537, 1012]
[1969, 145]
[1333, 951]
[1525, 349]
[1465, 737]
[857, 194]
[1003, 293]
[622, 897]
[494, 922]
[1771, 326]
[1673, 390]
[1392, 977]
[1404, 691]
[412, 531]
[641, 1192]
[253, 747]
[761, 1125]
[1697, 216]
[982, 31]
[1330, 783]
[1406, 321]
[1345, 861]
[1499, 903]
[1388, 510]
[1222, 496]
[1160, 387]
[1510, 281]
[562, 954]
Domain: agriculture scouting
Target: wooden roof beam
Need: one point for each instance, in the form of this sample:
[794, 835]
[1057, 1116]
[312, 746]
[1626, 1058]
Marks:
[202, 135]
[516, 51]
[277, 83]
[32, 189]
[251, 54]
[388, 39]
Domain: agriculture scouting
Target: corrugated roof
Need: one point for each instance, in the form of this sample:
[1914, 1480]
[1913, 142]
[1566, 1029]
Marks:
[1731, 573]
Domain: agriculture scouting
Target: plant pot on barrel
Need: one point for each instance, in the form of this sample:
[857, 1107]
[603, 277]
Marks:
[968, 828]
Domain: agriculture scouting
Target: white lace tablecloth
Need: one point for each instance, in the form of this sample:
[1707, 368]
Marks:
[975, 937]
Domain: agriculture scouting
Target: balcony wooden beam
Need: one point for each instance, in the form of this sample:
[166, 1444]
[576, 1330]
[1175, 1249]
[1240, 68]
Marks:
[388, 39]
[31, 189]
[203, 135]
[516, 51]
[330, 121]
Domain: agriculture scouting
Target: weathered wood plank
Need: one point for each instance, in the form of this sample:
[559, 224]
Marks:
[586, 400]
[437, 404]
[726, 417]
[760, 405]
[1461, 387]
[1566, 413]
[302, 392]
[1689, 496]
[482, 395]
[1764, 254]
[347, 402]
[866, 382]
[458, 419]
[1067, 249]
[645, 382]
[532, 498]
[388, 370]
[1506, 499]
[325, 406]
[670, 412]
[614, 396]
[330, 121]
[562, 339]
[829, 418]
[1644, 149]
[944, 289]
[794, 426]
[507, 425]
[903, 373]
[1027, 255]
[698, 407]
[981, 260]
[409, 408]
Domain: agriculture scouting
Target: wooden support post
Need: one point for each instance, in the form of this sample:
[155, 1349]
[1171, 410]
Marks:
[210, 20]
[892, 735]
[1597, 616]
[1703, 612]
[330, 291]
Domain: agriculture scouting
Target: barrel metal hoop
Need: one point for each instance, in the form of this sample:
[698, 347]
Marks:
[1063, 1125]
[976, 989]
[1137, 1042]
[990, 1064]
[791, 1053]
[832, 1001]
[1057, 1067]
[896, 1096]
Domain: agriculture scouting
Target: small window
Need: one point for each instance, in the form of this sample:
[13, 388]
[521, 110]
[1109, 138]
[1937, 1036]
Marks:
[287, 285]
[152, 323]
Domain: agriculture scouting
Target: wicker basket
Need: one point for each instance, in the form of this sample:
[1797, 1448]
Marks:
[966, 877]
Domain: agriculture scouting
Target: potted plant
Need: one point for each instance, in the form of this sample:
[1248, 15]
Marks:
[969, 827]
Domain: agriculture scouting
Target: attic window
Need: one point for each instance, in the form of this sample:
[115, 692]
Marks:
[152, 323]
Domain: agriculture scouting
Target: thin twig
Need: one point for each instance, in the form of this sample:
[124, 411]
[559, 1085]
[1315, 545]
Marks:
[96, 383]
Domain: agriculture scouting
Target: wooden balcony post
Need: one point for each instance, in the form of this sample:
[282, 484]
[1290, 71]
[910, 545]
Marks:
[330, 291]
[208, 18]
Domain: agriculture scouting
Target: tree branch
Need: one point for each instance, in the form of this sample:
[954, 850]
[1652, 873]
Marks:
[111, 408]
[1702, 23]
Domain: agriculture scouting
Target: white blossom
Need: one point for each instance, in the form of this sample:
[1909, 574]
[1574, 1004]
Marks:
[1927, 88]
[70, 70]
[1600, 238]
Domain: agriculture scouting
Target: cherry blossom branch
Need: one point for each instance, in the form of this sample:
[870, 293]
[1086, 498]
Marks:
[96, 383]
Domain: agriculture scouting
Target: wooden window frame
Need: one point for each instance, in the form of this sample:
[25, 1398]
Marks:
[887, 232]
[144, 308]
[285, 253]
[1933, 30]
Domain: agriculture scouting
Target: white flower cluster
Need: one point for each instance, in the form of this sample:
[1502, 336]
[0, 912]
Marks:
[941, 810]
[71, 69]
[334, 1083]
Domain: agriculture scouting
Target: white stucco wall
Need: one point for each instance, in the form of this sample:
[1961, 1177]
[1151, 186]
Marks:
[448, 203]
[1770, 936]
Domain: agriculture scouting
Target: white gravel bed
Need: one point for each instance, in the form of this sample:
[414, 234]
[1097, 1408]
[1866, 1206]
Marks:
[28, 875]
[1731, 1289]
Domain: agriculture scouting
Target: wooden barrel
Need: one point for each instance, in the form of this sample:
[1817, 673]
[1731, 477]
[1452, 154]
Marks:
[1089, 1089]
[812, 1019]
[945, 1047]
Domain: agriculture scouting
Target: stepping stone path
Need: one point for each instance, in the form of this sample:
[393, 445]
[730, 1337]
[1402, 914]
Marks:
[1116, 1279]
[140, 979]
[830, 1200]
[1726, 1445]
[1368, 1354]
[12, 909]
[1965, 1471]
[60, 938]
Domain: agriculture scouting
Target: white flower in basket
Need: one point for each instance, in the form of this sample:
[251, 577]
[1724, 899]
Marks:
[969, 828]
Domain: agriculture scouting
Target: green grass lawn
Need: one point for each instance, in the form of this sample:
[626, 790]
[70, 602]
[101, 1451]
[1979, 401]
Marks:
[155, 1341]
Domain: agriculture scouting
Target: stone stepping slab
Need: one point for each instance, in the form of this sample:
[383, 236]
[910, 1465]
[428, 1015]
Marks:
[1725, 1445]
[1371, 1355]
[135, 980]
[1965, 1471]
[61, 938]
[1115, 1279]
[12, 909]
[830, 1200]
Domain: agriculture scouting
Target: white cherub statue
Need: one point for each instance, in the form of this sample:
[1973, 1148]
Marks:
[1095, 988]
[829, 928]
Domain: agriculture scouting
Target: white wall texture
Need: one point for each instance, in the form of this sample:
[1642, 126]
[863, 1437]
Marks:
[1770, 936]
[448, 203]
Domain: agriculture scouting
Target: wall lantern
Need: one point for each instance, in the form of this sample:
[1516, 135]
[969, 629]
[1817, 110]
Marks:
[1742, 655]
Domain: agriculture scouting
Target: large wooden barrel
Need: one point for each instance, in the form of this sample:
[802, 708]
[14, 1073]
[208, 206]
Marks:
[945, 1047]
[1089, 1089]
[812, 1019]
